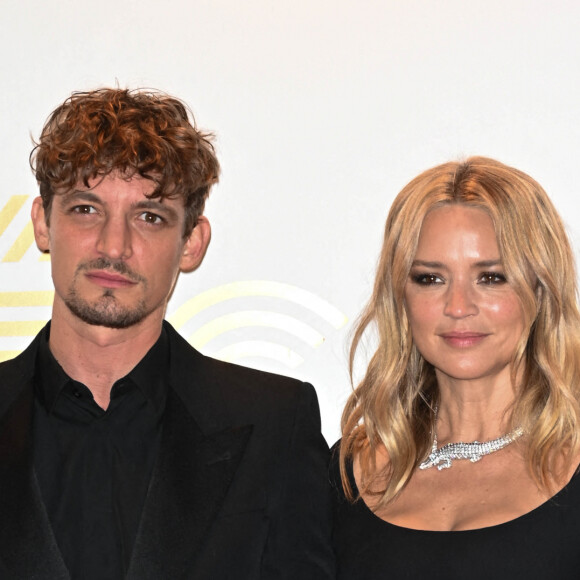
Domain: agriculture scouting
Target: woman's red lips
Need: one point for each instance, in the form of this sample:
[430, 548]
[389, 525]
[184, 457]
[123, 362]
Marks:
[463, 339]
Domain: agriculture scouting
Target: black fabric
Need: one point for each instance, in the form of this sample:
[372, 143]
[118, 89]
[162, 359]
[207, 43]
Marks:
[93, 466]
[543, 544]
[239, 490]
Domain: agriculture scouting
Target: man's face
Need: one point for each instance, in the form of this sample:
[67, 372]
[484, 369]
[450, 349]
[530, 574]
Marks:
[115, 253]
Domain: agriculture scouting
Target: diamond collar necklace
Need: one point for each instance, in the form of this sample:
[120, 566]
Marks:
[443, 458]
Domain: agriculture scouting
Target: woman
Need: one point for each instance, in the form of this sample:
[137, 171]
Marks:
[461, 442]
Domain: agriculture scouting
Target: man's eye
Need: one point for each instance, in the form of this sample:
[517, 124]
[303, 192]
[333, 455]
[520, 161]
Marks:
[426, 279]
[83, 209]
[151, 218]
[491, 278]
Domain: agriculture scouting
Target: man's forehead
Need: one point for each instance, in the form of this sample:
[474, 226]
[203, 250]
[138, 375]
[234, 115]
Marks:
[99, 188]
[118, 177]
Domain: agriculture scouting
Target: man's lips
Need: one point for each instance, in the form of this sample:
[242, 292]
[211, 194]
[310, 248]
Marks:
[109, 279]
[463, 339]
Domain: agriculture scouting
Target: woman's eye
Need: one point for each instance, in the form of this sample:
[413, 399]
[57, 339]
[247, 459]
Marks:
[426, 279]
[492, 278]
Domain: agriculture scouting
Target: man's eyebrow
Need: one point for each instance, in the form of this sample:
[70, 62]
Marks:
[82, 195]
[155, 205]
[144, 204]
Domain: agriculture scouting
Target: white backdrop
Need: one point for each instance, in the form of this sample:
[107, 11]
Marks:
[323, 111]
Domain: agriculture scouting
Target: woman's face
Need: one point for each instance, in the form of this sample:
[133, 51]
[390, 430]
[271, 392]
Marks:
[465, 317]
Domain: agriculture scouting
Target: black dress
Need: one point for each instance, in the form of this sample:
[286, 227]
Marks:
[543, 544]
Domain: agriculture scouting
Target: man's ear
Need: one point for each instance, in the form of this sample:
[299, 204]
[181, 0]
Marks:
[196, 245]
[40, 226]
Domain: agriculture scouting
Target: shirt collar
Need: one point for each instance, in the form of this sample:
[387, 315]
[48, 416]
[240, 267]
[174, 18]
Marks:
[149, 375]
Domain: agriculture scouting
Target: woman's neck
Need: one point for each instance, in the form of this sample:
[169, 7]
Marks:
[473, 410]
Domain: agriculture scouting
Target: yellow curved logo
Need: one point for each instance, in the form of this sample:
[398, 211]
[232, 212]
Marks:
[241, 328]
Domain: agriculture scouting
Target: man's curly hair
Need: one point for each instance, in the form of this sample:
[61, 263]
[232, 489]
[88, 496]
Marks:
[135, 132]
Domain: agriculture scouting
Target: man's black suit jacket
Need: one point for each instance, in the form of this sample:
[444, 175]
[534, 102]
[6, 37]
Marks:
[239, 490]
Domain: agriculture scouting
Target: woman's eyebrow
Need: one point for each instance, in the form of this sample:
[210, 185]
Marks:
[427, 264]
[480, 264]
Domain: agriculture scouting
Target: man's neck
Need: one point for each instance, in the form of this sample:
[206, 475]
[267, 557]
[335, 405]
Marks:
[97, 356]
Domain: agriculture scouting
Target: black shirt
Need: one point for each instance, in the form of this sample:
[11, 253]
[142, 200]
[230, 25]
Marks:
[540, 545]
[93, 466]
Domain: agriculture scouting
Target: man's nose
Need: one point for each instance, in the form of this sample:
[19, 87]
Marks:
[115, 238]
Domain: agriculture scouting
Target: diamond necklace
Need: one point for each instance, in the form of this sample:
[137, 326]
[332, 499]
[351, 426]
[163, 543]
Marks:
[443, 458]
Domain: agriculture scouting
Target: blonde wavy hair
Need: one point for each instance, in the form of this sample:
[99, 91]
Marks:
[394, 403]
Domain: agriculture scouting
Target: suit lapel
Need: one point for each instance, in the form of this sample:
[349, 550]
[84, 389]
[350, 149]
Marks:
[188, 486]
[27, 545]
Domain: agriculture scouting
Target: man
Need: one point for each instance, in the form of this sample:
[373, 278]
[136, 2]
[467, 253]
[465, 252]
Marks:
[125, 453]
